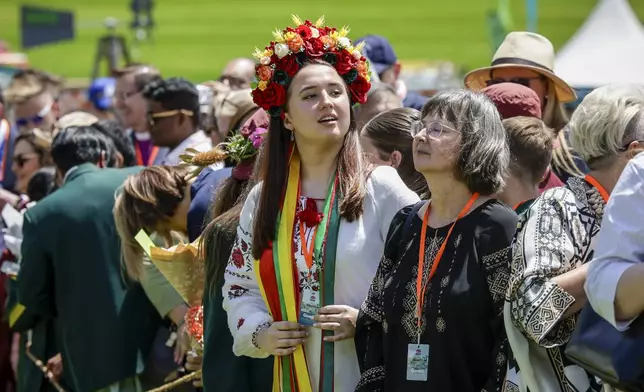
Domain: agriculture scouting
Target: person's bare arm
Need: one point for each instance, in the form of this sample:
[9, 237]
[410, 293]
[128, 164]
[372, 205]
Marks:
[573, 283]
[629, 298]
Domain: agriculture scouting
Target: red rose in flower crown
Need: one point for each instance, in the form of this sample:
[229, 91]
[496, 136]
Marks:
[314, 48]
[289, 65]
[292, 48]
[360, 89]
[272, 95]
[345, 62]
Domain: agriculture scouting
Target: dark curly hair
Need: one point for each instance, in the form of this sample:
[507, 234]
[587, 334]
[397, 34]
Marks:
[42, 183]
[175, 94]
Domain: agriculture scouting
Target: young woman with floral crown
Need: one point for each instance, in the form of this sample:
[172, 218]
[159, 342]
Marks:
[311, 233]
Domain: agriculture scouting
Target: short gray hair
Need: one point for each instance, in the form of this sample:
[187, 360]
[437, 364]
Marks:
[484, 154]
[605, 121]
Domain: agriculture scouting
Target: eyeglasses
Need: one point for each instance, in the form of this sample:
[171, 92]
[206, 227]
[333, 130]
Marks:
[152, 116]
[21, 159]
[522, 81]
[433, 130]
[24, 122]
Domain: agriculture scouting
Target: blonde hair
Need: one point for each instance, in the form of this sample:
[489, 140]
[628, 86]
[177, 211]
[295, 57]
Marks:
[556, 118]
[605, 121]
[145, 200]
[31, 83]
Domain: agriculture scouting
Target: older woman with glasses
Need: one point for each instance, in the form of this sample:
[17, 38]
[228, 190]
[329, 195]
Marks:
[433, 318]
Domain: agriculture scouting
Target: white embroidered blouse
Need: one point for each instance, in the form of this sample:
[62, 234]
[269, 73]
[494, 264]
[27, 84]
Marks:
[359, 249]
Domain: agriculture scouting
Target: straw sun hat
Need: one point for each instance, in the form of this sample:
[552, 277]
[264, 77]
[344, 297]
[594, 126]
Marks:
[525, 50]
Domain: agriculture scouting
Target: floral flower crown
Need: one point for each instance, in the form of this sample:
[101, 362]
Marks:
[292, 48]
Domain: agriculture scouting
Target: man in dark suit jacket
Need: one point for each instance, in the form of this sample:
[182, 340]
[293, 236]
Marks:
[71, 270]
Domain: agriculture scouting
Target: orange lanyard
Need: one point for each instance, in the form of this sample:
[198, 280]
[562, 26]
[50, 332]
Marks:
[307, 251]
[602, 191]
[420, 289]
[139, 155]
[517, 206]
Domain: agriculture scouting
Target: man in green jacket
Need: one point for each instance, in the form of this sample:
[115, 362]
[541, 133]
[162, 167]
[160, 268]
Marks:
[71, 270]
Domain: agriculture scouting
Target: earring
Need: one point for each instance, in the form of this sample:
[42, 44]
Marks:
[292, 136]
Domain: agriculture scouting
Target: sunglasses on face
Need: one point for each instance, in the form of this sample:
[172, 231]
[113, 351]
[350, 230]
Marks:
[24, 122]
[522, 81]
[21, 159]
[154, 116]
[433, 130]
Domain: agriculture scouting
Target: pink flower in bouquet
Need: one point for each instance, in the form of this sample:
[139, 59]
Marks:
[257, 137]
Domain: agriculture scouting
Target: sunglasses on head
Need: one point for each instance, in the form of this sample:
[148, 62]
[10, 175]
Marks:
[522, 81]
[35, 120]
[21, 159]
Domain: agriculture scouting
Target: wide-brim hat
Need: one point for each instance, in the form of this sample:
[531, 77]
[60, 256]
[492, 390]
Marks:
[525, 50]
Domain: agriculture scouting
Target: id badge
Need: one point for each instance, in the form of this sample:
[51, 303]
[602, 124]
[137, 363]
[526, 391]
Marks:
[417, 362]
[309, 307]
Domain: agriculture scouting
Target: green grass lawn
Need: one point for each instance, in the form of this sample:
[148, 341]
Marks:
[195, 38]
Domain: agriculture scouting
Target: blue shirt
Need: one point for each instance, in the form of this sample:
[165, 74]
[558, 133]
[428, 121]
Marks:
[202, 192]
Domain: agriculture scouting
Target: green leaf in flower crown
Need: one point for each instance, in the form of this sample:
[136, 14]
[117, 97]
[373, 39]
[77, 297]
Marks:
[253, 85]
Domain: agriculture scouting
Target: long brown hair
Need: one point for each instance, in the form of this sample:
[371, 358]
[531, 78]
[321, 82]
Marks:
[146, 199]
[352, 172]
[219, 235]
[391, 131]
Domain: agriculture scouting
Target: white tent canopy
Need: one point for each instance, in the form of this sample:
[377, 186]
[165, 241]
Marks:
[608, 48]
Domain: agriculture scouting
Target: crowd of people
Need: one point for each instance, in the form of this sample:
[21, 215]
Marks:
[353, 234]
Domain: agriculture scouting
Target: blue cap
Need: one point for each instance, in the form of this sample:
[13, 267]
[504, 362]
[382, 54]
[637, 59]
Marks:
[379, 51]
[101, 93]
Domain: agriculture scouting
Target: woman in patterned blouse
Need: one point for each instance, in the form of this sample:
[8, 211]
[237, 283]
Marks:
[433, 317]
[293, 293]
[555, 240]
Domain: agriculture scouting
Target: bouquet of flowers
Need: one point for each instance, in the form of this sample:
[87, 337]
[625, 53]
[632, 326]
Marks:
[184, 269]
[181, 265]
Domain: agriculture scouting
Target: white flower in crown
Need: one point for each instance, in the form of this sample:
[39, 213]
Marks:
[344, 42]
[357, 55]
[281, 50]
[315, 33]
[265, 61]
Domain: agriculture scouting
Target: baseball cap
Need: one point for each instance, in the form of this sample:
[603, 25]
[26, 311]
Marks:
[514, 100]
[101, 92]
[379, 52]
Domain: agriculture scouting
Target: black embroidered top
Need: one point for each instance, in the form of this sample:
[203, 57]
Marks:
[462, 320]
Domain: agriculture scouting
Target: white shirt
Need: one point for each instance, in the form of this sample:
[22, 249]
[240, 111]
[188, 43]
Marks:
[359, 250]
[198, 140]
[621, 241]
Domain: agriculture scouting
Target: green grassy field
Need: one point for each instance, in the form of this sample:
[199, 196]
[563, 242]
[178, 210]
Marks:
[195, 38]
